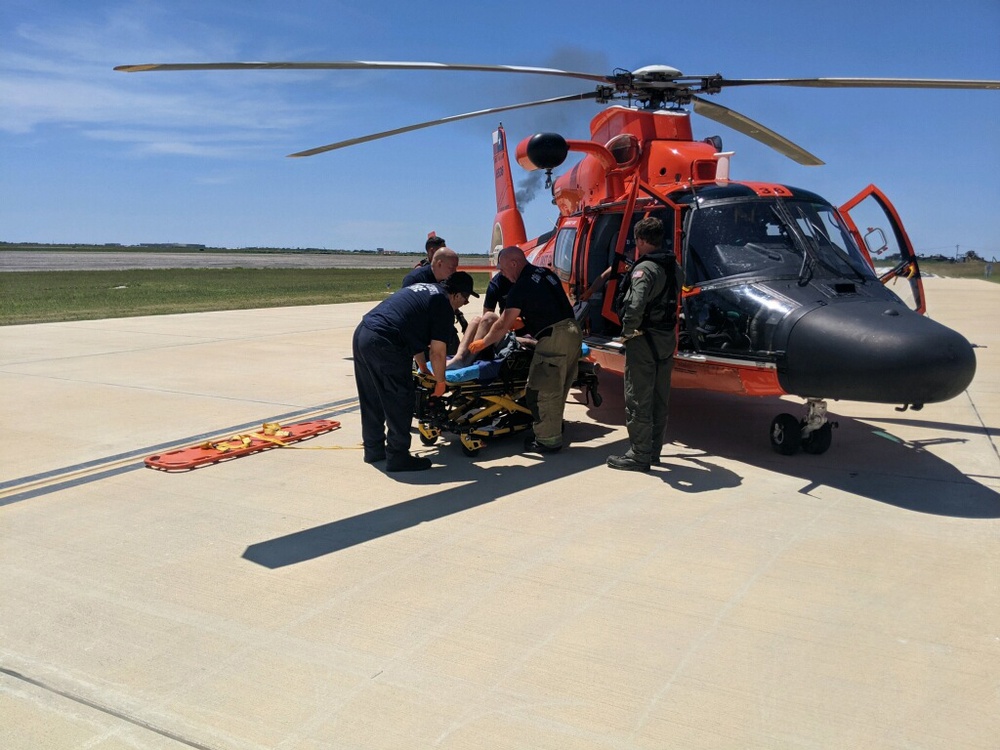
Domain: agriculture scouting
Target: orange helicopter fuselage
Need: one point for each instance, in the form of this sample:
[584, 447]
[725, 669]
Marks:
[655, 148]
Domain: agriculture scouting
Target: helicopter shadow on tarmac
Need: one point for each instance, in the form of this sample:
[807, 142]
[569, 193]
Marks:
[864, 460]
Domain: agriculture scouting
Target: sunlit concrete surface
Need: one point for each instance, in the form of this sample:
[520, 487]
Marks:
[301, 599]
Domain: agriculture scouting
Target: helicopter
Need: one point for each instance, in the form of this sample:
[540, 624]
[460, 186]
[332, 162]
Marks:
[783, 293]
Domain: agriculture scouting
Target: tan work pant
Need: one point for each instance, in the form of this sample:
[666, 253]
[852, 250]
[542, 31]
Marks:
[553, 370]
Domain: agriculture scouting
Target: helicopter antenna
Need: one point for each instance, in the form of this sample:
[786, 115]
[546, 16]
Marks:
[624, 80]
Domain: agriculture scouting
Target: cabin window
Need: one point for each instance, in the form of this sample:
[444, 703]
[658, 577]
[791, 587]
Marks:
[563, 256]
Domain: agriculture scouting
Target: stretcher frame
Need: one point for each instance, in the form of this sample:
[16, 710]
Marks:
[477, 412]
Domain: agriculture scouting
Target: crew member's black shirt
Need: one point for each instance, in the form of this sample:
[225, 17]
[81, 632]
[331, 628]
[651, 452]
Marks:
[413, 317]
[496, 292]
[539, 295]
[420, 275]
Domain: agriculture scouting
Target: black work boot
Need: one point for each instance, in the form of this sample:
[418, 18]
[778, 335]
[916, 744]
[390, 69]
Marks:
[531, 445]
[374, 456]
[627, 463]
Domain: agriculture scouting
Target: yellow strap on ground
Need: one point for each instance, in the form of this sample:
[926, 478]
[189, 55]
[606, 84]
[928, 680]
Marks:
[271, 432]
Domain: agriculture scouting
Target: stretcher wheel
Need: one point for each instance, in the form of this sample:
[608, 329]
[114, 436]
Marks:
[428, 435]
[471, 445]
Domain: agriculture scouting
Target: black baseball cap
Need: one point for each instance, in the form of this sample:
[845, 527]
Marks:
[460, 283]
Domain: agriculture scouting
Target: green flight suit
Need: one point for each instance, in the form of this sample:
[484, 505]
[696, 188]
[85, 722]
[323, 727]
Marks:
[649, 310]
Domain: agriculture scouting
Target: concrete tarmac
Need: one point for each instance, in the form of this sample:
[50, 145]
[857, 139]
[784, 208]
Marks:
[301, 599]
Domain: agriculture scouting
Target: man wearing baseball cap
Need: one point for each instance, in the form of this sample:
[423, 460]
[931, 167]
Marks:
[460, 283]
[400, 328]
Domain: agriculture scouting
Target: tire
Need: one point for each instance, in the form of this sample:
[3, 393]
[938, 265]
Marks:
[818, 441]
[786, 434]
[470, 452]
[427, 440]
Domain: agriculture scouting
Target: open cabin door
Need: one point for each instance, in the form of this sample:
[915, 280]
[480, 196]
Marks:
[876, 227]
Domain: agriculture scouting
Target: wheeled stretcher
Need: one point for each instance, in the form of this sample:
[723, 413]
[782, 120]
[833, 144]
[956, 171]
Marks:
[487, 399]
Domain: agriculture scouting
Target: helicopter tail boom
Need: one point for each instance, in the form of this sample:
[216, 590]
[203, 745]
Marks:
[508, 226]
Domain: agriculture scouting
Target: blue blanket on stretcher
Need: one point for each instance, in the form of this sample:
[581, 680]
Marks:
[486, 370]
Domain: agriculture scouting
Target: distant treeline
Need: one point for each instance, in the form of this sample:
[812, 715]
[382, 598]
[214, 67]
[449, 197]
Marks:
[177, 247]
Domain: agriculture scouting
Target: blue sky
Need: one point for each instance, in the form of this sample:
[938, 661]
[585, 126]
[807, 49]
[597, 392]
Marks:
[91, 155]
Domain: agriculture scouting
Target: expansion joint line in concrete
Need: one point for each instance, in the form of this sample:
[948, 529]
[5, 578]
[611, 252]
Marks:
[44, 483]
[104, 709]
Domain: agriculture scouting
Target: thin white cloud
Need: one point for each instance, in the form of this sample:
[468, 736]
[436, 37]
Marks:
[62, 75]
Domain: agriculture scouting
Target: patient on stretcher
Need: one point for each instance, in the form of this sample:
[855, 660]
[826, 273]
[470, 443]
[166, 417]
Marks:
[485, 370]
[464, 366]
[510, 360]
[477, 329]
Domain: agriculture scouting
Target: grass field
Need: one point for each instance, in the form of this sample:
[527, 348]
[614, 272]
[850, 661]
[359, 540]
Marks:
[50, 296]
[971, 269]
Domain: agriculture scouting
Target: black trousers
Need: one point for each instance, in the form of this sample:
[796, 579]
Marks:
[383, 371]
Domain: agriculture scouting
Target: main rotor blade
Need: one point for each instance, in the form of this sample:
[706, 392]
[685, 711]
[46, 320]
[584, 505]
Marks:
[442, 121]
[359, 65]
[864, 83]
[743, 124]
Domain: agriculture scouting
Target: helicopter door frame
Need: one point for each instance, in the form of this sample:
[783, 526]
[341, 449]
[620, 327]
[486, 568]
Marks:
[618, 265]
[564, 252]
[907, 267]
[581, 255]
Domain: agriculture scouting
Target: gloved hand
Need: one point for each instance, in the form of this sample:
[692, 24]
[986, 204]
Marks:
[439, 388]
[477, 346]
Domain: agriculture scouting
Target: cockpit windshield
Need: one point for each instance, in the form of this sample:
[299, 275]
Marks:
[774, 237]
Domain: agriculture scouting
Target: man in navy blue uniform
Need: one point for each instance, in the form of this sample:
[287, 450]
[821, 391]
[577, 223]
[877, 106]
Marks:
[537, 297]
[389, 337]
[445, 263]
[496, 293]
[431, 247]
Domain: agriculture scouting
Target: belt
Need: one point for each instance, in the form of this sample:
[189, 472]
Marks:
[547, 331]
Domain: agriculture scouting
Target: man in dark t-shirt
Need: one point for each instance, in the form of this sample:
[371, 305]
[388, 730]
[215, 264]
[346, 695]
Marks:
[538, 298]
[445, 263]
[496, 293]
[400, 328]
[430, 247]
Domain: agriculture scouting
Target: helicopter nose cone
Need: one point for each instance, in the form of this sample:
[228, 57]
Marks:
[867, 350]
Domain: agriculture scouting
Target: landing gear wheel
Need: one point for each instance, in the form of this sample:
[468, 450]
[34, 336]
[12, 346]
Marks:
[818, 441]
[470, 452]
[786, 434]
